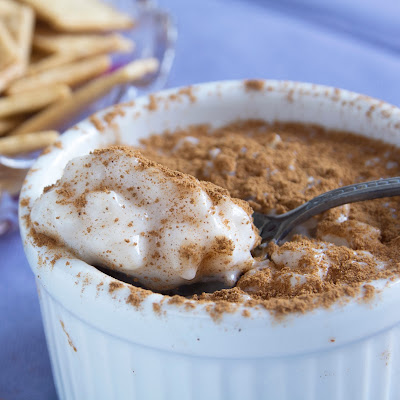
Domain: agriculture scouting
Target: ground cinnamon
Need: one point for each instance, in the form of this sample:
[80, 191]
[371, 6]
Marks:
[277, 167]
[273, 168]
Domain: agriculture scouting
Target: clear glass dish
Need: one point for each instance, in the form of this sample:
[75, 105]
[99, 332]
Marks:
[154, 35]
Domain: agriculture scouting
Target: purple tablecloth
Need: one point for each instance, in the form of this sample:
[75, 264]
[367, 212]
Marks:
[347, 44]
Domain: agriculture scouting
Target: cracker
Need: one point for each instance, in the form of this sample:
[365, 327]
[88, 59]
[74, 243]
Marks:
[33, 100]
[83, 45]
[68, 48]
[57, 114]
[9, 73]
[49, 62]
[80, 15]
[8, 50]
[16, 31]
[20, 24]
[12, 145]
[6, 124]
[8, 7]
[70, 74]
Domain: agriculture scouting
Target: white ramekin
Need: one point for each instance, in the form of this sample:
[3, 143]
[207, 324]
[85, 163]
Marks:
[103, 347]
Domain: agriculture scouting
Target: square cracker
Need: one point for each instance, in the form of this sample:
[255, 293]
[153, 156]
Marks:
[80, 15]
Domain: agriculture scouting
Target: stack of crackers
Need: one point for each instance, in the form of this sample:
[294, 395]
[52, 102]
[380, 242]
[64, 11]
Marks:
[54, 62]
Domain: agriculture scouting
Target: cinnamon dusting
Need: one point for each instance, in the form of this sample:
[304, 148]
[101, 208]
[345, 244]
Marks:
[273, 168]
[113, 286]
[254, 84]
[277, 167]
[70, 342]
[97, 122]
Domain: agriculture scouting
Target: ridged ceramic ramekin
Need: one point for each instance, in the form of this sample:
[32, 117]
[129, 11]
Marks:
[108, 342]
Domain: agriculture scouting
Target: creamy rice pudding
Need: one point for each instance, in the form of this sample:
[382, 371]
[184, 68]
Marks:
[111, 209]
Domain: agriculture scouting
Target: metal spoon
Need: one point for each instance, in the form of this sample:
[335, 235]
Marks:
[278, 227]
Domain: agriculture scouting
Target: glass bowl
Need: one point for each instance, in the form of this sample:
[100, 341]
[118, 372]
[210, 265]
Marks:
[154, 35]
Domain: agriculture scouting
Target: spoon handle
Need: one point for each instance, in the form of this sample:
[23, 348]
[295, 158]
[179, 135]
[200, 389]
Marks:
[278, 227]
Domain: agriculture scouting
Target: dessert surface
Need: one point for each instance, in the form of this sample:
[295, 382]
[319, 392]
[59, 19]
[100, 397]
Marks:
[179, 212]
[278, 167]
